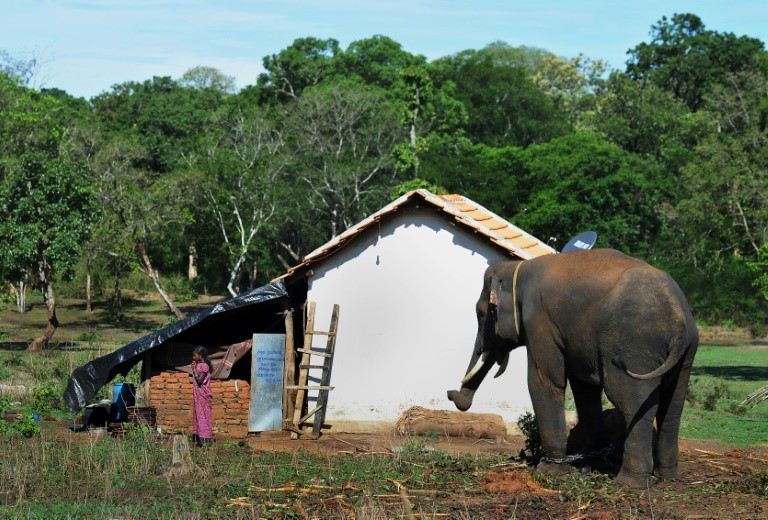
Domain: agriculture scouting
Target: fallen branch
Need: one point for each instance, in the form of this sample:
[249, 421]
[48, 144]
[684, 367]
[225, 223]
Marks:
[357, 448]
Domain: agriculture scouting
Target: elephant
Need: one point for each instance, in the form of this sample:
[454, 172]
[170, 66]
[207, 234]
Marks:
[597, 320]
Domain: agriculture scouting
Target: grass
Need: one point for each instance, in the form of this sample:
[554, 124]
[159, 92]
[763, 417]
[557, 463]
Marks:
[52, 474]
[722, 378]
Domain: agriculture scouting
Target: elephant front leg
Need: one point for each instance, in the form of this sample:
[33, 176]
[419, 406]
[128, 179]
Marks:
[589, 433]
[548, 398]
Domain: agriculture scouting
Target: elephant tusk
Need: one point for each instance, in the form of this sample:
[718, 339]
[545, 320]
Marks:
[502, 366]
[475, 369]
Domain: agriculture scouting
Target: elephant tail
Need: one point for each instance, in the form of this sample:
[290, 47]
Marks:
[679, 345]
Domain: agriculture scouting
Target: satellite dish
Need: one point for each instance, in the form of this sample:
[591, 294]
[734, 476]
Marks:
[581, 242]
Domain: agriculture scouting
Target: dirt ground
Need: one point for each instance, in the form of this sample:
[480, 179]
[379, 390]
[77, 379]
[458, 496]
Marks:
[718, 482]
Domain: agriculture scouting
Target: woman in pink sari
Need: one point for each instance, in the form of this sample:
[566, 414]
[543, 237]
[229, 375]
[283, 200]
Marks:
[202, 423]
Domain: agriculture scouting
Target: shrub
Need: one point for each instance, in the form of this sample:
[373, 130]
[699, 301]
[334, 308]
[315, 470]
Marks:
[45, 398]
[530, 429]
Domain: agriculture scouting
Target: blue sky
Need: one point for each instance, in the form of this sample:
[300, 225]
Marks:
[86, 46]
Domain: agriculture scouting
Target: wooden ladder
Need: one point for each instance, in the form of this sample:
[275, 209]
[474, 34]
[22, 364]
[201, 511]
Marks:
[302, 388]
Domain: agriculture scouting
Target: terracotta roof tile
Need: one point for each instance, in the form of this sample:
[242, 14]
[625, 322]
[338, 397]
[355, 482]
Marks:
[465, 211]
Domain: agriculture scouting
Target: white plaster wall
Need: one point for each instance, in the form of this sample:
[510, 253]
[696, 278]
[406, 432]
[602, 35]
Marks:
[407, 321]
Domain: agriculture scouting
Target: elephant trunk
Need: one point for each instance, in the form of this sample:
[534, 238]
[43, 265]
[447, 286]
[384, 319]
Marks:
[478, 369]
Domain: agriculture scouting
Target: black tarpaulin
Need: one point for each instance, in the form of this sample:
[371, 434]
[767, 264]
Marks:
[227, 322]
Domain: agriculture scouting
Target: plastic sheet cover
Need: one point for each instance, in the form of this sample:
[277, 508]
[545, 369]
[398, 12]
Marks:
[226, 322]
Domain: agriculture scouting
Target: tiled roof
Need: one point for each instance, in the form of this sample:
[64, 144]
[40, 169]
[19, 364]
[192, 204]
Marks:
[456, 207]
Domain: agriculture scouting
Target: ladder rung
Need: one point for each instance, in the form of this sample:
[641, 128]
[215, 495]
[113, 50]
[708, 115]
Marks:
[320, 332]
[310, 414]
[308, 387]
[314, 352]
[311, 366]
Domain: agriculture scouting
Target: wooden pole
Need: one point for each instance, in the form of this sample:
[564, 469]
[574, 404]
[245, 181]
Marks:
[290, 368]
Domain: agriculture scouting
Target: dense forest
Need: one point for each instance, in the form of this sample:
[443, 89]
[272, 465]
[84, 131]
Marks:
[203, 188]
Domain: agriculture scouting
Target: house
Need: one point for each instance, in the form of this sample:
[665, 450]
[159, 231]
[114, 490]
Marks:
[406, 280]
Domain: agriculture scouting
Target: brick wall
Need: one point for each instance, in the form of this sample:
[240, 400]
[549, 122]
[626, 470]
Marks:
[170, 393]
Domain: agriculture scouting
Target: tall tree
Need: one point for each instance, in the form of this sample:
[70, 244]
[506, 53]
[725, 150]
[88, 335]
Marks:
[306, 62]
[44, 205]
[238, 182]
[168, 120]
[725, 211]
[686, 59]
[138, 209]
[341, 136]
[202, 77]
[580, 182]
[504, 105]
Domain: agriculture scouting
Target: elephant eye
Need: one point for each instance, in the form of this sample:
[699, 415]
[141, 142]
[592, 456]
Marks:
[494, 312]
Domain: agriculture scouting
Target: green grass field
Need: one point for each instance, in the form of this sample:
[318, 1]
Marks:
[722, 378]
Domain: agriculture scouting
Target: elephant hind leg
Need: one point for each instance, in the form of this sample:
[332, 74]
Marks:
[639, 408]
[668, 422]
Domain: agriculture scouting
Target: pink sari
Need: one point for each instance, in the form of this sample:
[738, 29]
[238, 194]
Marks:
[202, 423]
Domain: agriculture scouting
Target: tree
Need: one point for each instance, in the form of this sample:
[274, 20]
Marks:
[24, 70]
[138, 209]
[504, 105]
[44, 204]
[238, 181]
[167, 119]
[580, 182]
[378, 61]
[202, 77]
[643, 119]
[725, 210]
[571, 84]
[306, 62]
[340, 138]
[688, 60]
[491, 176]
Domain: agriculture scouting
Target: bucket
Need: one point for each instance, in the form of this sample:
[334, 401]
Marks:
[124, 395]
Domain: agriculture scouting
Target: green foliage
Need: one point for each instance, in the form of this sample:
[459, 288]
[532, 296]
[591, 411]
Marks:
[46, 398]
[665, 161]
[688, 60]
[723, 294]
[493, 177]
[41, 190]
[530, 429]
[504, 105]
[759, 266]
[581, 182]
[416, 184]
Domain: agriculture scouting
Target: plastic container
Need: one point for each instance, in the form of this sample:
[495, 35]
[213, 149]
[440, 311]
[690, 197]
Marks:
[124, 395]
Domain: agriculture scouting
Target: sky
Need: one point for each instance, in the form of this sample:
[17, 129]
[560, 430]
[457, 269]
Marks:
[87, 46]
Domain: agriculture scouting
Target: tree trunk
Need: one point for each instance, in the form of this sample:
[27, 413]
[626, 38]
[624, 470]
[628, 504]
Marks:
[150, 271]
[88, 306]
[117, 300]
[20, 294]
[192, 262]
[46, 278]
[234, 275]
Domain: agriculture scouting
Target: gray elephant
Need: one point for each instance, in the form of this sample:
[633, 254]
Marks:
[597, 320]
